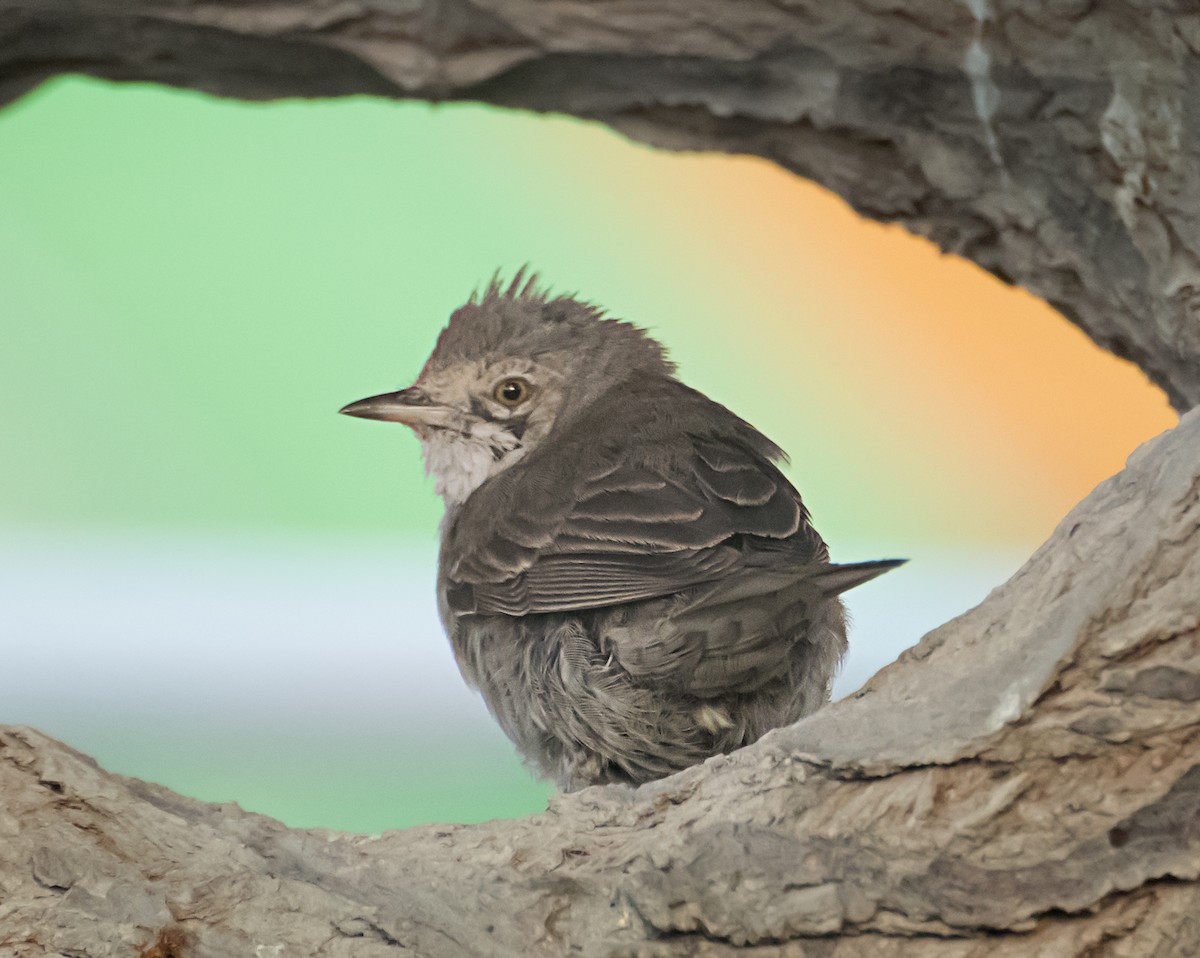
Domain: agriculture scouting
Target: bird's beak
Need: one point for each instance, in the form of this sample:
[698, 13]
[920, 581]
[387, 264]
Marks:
[411, 406]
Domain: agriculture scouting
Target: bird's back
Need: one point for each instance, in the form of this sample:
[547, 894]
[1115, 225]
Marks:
[637, 595]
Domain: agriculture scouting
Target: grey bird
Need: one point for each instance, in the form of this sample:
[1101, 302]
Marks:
[625, 574]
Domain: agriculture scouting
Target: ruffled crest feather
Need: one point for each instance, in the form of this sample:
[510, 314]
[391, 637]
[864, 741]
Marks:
[522, 318]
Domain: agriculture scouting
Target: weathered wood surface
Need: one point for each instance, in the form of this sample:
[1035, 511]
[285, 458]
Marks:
[1054, 142]
[1026, 781]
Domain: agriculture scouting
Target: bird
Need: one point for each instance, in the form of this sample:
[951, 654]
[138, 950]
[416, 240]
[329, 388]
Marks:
[624, 572]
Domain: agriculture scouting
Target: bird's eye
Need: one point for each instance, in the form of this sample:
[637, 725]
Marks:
[511, 392]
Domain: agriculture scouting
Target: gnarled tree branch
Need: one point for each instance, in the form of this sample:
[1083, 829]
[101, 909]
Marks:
[1054, 143]
[1025, 781]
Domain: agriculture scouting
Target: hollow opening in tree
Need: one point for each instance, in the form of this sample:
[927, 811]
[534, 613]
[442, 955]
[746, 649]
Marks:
[220, 277]
[1023, 782]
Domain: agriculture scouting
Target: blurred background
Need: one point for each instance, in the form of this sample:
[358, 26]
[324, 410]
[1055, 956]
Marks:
[210, 580]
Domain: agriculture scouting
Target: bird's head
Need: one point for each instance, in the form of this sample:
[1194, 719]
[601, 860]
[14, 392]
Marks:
[512, 365]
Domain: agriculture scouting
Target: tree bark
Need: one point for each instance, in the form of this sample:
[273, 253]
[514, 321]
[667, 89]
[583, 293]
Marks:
[1026, 781]
[1054, 142]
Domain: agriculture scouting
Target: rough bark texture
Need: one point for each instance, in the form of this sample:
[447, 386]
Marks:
[1054, 142]
[1025, 782]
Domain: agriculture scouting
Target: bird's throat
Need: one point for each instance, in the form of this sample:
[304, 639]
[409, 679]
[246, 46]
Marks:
[461, 462]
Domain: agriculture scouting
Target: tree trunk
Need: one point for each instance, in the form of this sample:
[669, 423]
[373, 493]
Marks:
[1026, 781]
[1054, 142]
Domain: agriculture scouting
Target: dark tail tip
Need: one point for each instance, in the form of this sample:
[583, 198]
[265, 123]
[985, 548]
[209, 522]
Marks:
[839, 578]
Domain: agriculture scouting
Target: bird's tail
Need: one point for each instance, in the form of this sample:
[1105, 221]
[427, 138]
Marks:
[811, 578]
[834, 579]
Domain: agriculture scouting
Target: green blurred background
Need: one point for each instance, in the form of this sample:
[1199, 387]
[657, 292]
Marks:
[211, 580]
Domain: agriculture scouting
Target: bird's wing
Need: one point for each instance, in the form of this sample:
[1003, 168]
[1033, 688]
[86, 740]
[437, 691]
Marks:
[634, 528]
